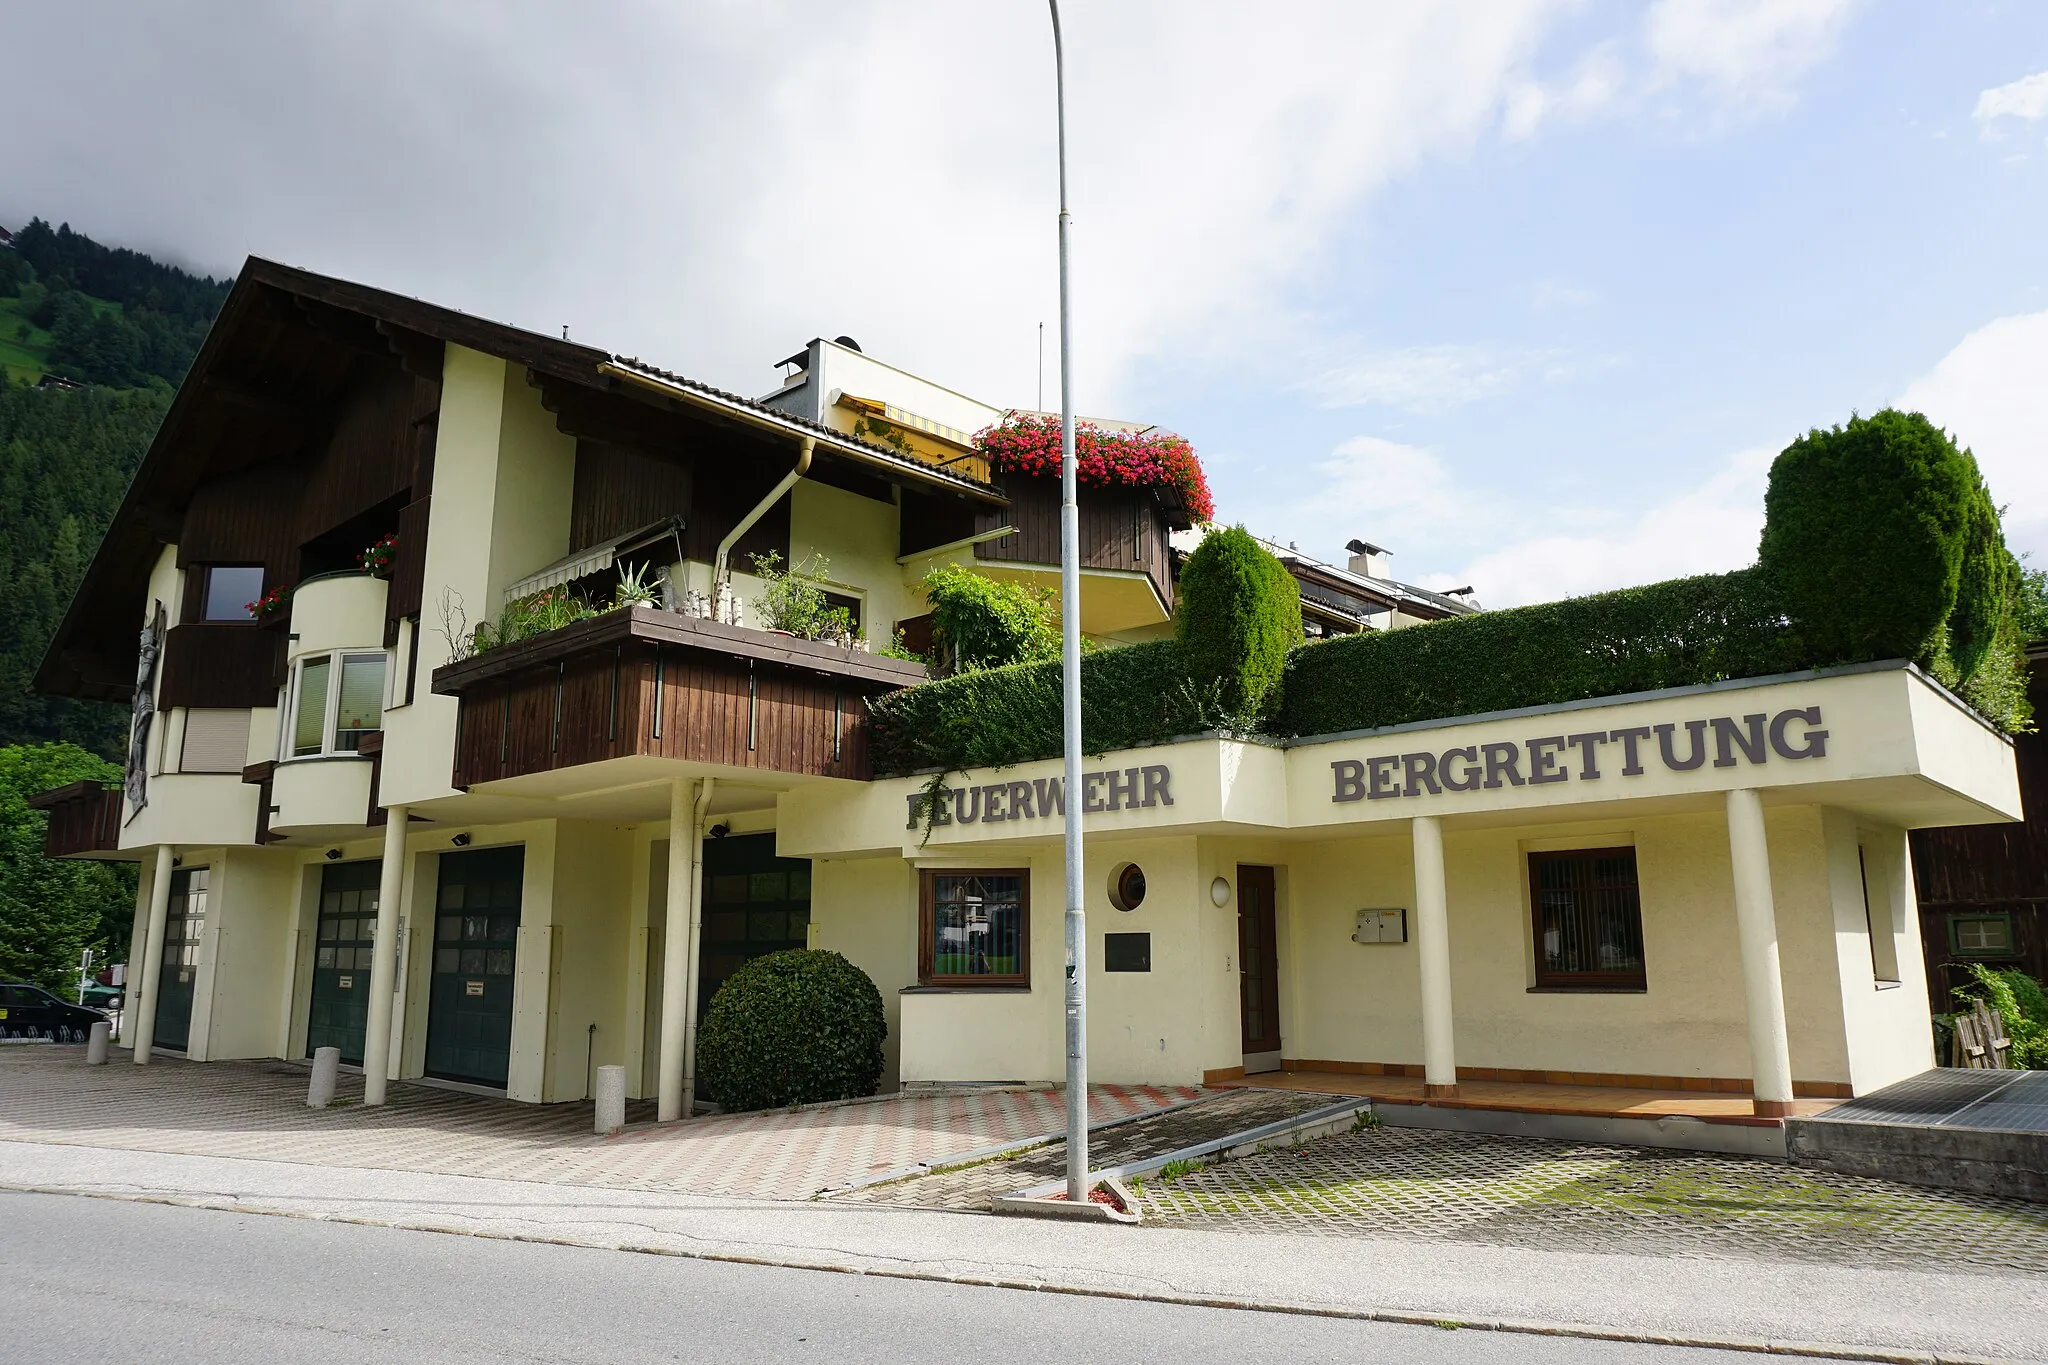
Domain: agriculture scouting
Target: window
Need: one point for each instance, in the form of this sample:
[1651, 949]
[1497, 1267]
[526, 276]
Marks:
[1980, 935]
[974, 928]
[1588, 919]
[340, 699]
[1877, 922]
[228, 591]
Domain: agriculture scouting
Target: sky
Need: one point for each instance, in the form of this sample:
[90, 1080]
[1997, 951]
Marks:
[1528, 291]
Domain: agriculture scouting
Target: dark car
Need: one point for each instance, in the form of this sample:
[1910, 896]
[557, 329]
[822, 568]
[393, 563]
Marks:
[31, 1012]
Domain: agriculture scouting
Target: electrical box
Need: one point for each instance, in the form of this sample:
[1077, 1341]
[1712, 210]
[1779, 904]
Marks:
[1381, 926]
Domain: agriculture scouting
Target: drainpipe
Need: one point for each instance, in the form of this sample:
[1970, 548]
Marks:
[746, 524]
[694, 952]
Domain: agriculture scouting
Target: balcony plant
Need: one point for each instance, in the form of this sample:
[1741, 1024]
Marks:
[270, 604]
[377, 558]
[793, 600]
[1029, 444]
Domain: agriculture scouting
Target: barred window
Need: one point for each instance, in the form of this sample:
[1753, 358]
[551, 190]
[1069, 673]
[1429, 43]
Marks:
[975, 927]
[1588, 919]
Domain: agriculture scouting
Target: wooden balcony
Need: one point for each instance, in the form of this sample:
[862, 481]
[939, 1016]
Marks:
[85, 817]
[650, 682]
[1121, 529]
[227, 664]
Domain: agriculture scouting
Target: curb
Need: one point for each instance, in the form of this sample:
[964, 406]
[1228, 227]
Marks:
[1578, 1331]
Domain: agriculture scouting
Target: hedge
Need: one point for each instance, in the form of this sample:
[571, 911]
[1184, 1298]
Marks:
[796, 1027]
[999, 716]
[1686, 631]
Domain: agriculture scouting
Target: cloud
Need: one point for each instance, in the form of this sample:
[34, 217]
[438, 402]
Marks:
[711, 185]
[2025, 98]
[1429, 378]
[1989, 394]
[1750, 50]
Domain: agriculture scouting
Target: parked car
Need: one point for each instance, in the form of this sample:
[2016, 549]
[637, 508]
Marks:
[31, 1012]
[98, 997]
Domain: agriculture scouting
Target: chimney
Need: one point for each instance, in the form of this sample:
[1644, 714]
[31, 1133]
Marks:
[1368, 559]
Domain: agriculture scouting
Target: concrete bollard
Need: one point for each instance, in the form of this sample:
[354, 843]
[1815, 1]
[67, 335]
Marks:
[326, 1065]
[611, 1099]
[96, 1045]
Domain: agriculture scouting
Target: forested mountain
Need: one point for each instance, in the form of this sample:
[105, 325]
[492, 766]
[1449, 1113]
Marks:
[124, 328]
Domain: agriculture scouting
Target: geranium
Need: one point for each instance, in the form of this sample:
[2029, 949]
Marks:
[378, 557]
[1029, 444]
[272, 601]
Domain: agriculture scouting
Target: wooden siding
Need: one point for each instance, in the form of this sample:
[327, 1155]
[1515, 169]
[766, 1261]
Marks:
[408, 566]
[224, 664]
[1121, 528]
[636, 684]
[85, 817]
[1991, 869]
[620, 489]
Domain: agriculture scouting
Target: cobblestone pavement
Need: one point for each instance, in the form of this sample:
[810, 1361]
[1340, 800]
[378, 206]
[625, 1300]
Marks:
[1424, 1184]
[257, 1110]
[975, 1187]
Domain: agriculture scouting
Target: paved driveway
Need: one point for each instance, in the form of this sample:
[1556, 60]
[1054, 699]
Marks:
[257, 1110]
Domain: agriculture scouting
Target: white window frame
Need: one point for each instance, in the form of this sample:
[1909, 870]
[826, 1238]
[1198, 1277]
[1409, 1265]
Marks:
[288, 715]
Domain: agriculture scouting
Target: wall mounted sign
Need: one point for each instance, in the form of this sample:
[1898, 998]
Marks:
[1044, 799]
[1591, 756]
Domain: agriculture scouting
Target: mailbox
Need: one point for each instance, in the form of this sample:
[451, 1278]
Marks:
[1381, 926]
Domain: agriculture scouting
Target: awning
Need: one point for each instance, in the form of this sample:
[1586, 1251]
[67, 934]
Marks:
[594, 559]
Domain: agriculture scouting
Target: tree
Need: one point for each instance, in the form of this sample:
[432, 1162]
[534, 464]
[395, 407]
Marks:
[986, 623]
[52, 910]
[1240, 612]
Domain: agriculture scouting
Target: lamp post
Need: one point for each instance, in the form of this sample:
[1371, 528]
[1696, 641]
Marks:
[1070, 691]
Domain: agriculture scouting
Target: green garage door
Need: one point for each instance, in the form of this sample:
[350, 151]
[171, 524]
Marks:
[179, 979]
[347, 927]
[754, 904]
[476, 939]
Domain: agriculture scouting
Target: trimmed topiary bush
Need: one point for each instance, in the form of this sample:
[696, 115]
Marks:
[796, 1027]
[1864, 533]
[1239, 614]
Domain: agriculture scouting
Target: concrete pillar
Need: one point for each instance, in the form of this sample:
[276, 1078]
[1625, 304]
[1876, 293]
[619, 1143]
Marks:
[384, 958]
[675, 952]
[142, 997]
[1756, 927]
[138, 948]
[96, 1045]
[1433, 956]
[695, 954]
[611, 1100]
[320, 1085]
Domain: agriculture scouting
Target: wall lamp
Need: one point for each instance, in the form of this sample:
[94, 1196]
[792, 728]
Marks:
[1219, 892]
[461, 840]
[333, 854]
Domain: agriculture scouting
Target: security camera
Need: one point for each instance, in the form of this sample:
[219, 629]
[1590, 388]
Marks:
[333, 854]
[461, 840]
[720, 831]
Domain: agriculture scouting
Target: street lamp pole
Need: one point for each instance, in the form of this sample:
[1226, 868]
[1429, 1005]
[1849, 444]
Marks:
[1070, 691]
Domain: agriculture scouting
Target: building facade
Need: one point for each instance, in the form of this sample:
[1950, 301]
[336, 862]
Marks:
[505, 866]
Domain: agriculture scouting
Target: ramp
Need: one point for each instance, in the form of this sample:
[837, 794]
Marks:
[1984, 1131]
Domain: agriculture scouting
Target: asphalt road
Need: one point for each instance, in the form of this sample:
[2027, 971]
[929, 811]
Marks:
[85, 1279]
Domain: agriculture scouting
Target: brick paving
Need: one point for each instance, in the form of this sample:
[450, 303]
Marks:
[257, 1110]
[1411, 1183]
[974, 1188]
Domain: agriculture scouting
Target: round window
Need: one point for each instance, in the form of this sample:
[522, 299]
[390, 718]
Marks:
[1127, 886]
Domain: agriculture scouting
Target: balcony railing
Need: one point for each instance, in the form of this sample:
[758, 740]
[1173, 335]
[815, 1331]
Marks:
[646, 682]
[85, 817]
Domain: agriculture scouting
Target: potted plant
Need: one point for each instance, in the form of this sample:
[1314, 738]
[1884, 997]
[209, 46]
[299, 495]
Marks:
[1029, 444]
[270, 605]
[377, 558]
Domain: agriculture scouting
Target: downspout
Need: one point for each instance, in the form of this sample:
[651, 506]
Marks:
[693, 954]
[719, 574]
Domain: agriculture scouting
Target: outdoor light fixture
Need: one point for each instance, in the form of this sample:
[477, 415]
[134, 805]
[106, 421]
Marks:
[1219, 892]
[461, 840]
[333, 854]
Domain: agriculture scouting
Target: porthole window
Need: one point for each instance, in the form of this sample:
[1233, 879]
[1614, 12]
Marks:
[1127, 886]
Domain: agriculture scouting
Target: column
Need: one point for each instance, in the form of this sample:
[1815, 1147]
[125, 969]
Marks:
[384, 957]
[1756, 926]
[1433, 954]
[692, 977]
[138, 941]
[675, 953]
[142, 999]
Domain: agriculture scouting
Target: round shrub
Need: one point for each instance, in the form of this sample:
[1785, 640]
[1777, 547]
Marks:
[1987, 583]
[1864, 531]
[1240, 612]
[795, 1027]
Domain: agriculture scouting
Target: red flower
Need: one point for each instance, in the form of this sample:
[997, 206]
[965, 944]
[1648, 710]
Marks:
[1030, 445]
